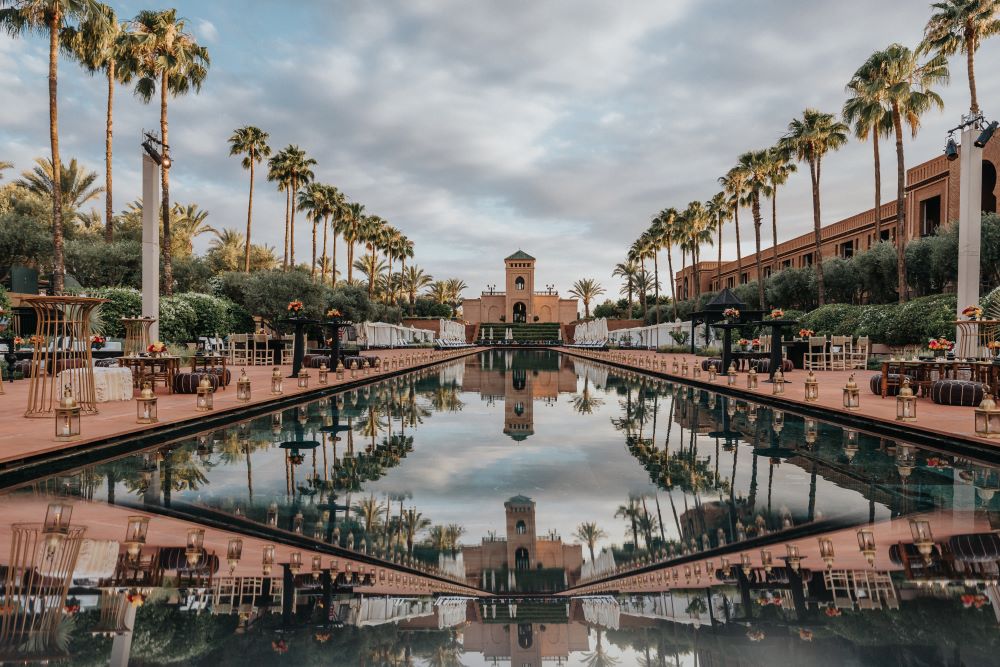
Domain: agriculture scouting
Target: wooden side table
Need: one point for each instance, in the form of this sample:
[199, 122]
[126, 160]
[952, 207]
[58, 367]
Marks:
[152, 370]
[208, 363]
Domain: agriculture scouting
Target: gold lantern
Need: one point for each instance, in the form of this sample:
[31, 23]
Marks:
[712, 373]
[67, 416]
[697, 371]
[752, 378]
[243, 387]
[792, 557]
[767, 560]
[731, 375]
[234, 552]
[920, 529]
[276, 381]
[56, 526]
[135, 536]
[354, 369]
[906, 403]
[778, 384]
[852, 398]
[866, 544]
[205, 399]
[675, 366]
[684, 368]
[295, 562]
[812, 388]
[195, 546]
[340, 370]
[267, 560]
[145, 406]
[303, 379]
[745, 564]
[324, 373]
[317, 566]
[988, 418]
[826, 551]
[777, 420]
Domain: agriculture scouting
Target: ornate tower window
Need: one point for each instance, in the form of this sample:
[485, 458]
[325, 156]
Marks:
[519, 283]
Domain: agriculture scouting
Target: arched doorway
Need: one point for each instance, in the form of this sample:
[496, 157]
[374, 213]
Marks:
[520, 312]
[989, 186]
[521, 560]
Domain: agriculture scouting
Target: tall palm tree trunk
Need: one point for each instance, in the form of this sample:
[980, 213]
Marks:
[718, 265]
[350, 261]
[168, 266]
[673, 285]
[325, 264]
[291, 224]
[246, 247]
[878, 187]
[900, 212]
[755, 209]
[656, 286]
[288, 207]
[58, 267]
[312, 266]
[814, 174]
[109, 209]
[774, 226]
[739, 254]
[333, 267]
[970, 57]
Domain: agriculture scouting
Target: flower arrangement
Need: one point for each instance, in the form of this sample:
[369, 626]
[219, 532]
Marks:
[755, 342]
[832, 612]
[777, 313]
[322, 637]
[937, 463]
[72, 606]
[731, 313]
[743, 342]
[36, 339]
[97, 341]
[941, 344]
[18, 340]
[333, 313]
[805, 635]
[977, 600]
[973, 312]
[279, 646]
[755, 635]
[158, 347]
[295, 307]
[135, 598]
[805, 333]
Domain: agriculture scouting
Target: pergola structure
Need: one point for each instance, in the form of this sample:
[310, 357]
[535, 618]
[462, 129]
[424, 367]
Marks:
[713, 313]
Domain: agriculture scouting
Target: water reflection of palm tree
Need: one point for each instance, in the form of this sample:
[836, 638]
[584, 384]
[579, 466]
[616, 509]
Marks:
[590, 534]
[599, 656]
[413, 524]
[584, 402]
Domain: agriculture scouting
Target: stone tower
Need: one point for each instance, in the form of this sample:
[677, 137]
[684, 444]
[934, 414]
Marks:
[520, 533]
[520, 286]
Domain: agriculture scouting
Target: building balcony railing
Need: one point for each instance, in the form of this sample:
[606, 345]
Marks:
[546, 293]
[489, 293]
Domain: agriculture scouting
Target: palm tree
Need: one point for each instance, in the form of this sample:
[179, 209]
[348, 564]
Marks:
[755, 165]
[226, 250]
[76, 184]
[907, 88]
[455, 287]
[414, 280]
[334, 203]
[438, 291]
[299, 167]
[668, 236]
[627, 270]
[734, 185]
[413, 523]
[278, 172]
[866, 110]
[719, 210]
[960, 26]
[5, 165]
[698, 226]
[315, 200]
[250, 142]
[353, 216]
[170, 59]
[190, 221]
[586, 289]
[588, 533]
[51, 16]
[810, 138]
[373, 231]
[453, 532]
[779, 168]
[102, 44]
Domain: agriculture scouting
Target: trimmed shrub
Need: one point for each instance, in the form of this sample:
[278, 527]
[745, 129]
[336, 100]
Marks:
[178, 319]
[833, 319]
[122, 302]
[916, 321]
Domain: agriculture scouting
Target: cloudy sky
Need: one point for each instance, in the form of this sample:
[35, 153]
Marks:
[481, 128]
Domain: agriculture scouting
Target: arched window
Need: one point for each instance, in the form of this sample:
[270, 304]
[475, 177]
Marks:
[521, 561]
[520, 528]
[519, 283]
[989, 185]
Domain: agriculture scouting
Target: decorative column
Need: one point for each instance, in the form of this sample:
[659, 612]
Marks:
[137, 335]
[63, 345]
[151, 243]
[970, 202]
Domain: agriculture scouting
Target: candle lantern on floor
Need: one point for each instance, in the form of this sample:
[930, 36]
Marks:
[205, 400]
[866, 544]
[243, 387]
[675, 366]
[267, 560]
[234, 552]
[920, 529]
[145, 406]
[712, 373]
[826, 551]
[684, 368]
[276, 382]
[303, 379]
[906, 403]
[324, 374]
[812, 388]
[988, 418]
[67, 416]
[778, 384]
[852, 398]
[295, 562]
[340, 370]
[354, 369]
[731, 375]
[752, 378]
[135, 536]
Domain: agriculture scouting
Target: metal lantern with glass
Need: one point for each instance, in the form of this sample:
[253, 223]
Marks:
[67, 416]
[811, 387]
[923, 539]
[56, 526]
[276, 381]
[135, 536]
[752, 378]
[731, 375]
[778, 383]
[826, 551]
[852, 397]
[206, 395]
[866, 544]
[303, 379]
[243, 387]
[324, 373]
[267, 560]
[234, 552]
[145, 405]
[195, 546]
[906, 403]
[987, 418]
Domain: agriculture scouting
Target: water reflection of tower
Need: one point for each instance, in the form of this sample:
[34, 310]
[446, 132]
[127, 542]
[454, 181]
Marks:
[518, 411]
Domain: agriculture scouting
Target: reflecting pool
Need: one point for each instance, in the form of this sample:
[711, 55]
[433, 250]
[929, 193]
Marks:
[511, 506]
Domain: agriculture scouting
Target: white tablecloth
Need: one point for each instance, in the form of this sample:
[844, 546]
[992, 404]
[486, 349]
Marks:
[110, 384]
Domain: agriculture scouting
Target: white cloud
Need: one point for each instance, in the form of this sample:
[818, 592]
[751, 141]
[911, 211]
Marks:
[207, 31]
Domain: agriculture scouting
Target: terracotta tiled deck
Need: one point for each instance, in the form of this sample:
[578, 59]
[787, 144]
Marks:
[21, 437]
[940, 420]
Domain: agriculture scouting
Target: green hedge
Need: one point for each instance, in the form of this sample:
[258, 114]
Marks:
[121, 302]
[911, 323]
